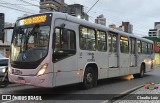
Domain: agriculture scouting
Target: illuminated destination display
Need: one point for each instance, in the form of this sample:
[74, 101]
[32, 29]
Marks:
[33, 20]
[124, 38]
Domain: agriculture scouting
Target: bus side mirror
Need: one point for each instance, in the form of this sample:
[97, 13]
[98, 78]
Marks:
[2, 33]
[2, 27]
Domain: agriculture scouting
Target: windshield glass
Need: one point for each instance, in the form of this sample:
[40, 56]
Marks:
[3, 62]
[30, 44]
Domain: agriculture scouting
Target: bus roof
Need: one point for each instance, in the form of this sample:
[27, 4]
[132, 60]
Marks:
[93, 25]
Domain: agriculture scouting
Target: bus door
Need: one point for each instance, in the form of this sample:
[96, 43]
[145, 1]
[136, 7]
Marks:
[133, 57]
[113, 50]
[65, 53]
[124, 55]
[140, 54]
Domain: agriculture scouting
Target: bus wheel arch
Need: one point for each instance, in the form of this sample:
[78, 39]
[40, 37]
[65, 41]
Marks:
[90, 76]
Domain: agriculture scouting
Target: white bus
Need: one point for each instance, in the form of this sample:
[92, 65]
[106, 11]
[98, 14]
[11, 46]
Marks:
[55, 49]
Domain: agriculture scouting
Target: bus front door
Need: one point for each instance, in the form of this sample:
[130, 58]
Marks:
[65, 53]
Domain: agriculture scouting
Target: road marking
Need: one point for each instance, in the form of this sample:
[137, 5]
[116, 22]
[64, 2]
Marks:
[131, 90]
[125, 92]
[106, 101]
[8, 101]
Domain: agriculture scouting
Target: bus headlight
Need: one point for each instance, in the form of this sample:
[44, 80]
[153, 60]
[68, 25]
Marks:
[42, 70]
[3, 70]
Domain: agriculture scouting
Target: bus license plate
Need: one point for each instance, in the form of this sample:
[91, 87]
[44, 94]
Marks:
[21, 81]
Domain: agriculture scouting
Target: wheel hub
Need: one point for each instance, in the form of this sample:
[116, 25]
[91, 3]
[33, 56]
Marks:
[89, 77]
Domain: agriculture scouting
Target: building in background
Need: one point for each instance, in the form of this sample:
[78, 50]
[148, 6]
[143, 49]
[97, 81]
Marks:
[128, 28]
[125, 27]
[5, 47]
[156, 48]
[101, 20]
[52, 5]
[152, 33]
[156, 31]
[78, 11]
[113, 26]
[60, 6]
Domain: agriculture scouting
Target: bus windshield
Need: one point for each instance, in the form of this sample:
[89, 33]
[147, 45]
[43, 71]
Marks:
[30, 41]
[30, 44]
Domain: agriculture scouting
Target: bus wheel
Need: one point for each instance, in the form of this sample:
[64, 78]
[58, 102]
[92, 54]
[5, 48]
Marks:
[141, 74]
[89, 78]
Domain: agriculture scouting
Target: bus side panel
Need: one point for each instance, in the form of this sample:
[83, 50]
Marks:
[124, 64]
[101, 59]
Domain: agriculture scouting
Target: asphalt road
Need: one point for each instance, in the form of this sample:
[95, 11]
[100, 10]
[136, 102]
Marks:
[105, 87]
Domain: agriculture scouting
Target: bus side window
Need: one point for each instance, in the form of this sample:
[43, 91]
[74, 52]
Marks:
[65, 44]
[139, 46]
[150, 48]
[144, 48]
[87, 38]
[110, 42]
[132, 46]
[57, 37]
[124, 44]
[101, 41]
[114, 43]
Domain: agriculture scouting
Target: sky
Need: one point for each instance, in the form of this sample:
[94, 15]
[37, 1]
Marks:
[140, 13]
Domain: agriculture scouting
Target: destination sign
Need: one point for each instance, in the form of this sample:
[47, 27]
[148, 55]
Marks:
[33, 20]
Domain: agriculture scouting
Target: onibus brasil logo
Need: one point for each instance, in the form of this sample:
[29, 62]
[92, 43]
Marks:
[151, 86]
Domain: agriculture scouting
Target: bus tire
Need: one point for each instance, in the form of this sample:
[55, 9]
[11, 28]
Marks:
[141, 74]
[89, 78]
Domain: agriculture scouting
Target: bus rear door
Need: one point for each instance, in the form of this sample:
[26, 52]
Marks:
[113, 55]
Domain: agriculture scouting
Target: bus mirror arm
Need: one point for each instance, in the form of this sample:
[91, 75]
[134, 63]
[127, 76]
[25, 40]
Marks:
[2, 36]
[53, 40]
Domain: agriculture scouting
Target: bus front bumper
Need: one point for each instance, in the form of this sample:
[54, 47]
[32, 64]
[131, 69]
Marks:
[40, 81]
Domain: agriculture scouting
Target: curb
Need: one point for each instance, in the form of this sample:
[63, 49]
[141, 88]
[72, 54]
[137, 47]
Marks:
[123, 94]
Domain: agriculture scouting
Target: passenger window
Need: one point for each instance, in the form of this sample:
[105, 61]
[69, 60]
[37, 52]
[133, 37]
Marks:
[109, 42]
[87, 39]
[132, 46]
[114, 43]
[139, 45]
[124, 46]
[144, 48]
[150, 49]
[112, 40]
[101, 41]
[65, 44]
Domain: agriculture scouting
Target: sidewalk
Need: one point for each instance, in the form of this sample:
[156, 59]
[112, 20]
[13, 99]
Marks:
[149, 93]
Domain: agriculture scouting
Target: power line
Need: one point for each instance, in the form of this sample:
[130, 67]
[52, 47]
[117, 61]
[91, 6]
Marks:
[29, 3]
[16, 9]
[7, 4]
[110, 14]
[16, 4]
[33, 4]
[93, 5]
